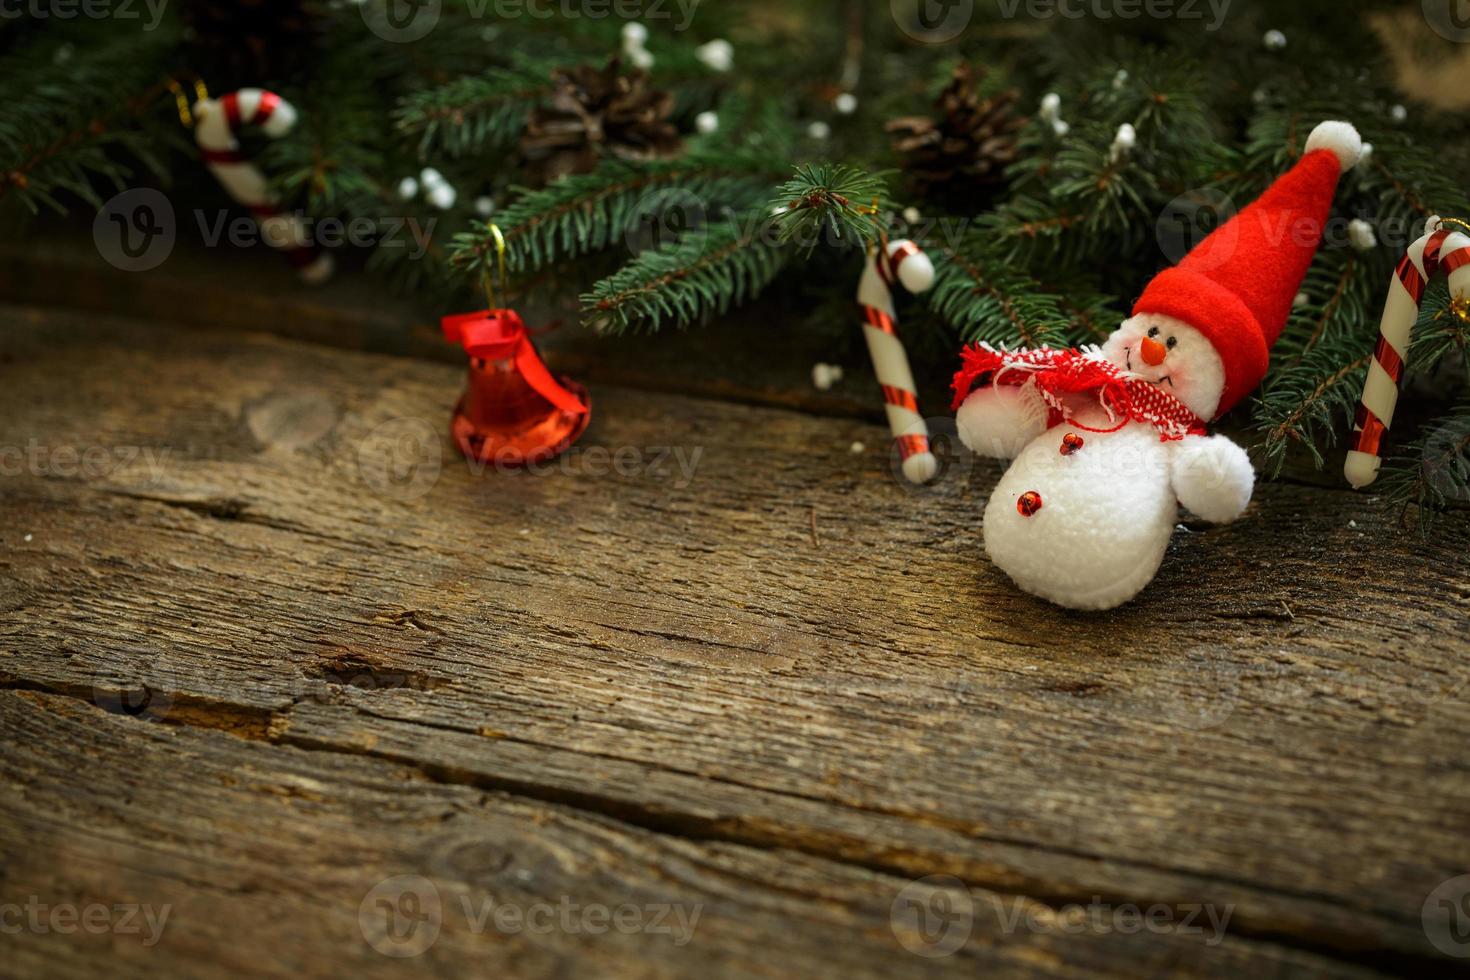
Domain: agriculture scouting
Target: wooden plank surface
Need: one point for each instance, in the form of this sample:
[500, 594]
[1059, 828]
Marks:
[754, 648]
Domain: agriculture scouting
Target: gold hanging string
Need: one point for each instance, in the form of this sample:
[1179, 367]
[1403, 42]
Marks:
[485, 279]
[1458, 222]
[181, 99]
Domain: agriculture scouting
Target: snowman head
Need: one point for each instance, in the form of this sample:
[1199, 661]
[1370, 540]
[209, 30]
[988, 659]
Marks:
[1167, 352]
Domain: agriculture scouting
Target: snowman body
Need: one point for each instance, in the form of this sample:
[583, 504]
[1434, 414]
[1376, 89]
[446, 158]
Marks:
[1107, 510]
[1083, 514]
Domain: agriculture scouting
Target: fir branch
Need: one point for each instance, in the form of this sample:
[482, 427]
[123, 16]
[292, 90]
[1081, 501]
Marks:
[831, 205]
[1309, 403]
[1432, 473]
[689, 282]
[473, 114]
[584, 213]
[70, 109]
[986, 297]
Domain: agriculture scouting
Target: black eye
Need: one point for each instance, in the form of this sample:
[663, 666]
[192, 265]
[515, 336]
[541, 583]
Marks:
[1172, 342]
[1153, 331]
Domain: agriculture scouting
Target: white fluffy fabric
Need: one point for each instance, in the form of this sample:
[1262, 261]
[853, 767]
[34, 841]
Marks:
[999, 421]
[1339, 137]
[1213, 478]
[1108, 508]
[1107, 512]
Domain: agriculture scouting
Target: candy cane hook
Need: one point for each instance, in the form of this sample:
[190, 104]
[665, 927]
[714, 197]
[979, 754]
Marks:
[1439, 250]
[904, 262]
[216, 121]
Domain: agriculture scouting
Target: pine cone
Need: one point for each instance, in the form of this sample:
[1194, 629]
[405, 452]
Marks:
[959, 158]
[596, 112]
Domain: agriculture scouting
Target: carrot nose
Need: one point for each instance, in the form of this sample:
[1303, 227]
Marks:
[1153, 352]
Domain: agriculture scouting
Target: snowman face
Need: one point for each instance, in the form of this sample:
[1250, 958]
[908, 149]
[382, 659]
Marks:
[1173, 355]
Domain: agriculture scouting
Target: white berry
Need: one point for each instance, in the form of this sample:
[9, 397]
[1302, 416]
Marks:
[707, 122]
[718, 54]
[442, 196]
[1360, 233]
[1274, 40]
[846, 103]
[408, 188]
[485, 205]
[819, 130]
[824, 376]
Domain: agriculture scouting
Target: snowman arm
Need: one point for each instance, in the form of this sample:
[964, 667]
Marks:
[1000, 420]
[1212, 477]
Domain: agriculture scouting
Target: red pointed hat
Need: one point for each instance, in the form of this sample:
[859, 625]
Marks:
[1236, 287]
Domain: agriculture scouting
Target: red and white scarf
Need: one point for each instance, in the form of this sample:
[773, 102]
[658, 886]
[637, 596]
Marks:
[1057, 374]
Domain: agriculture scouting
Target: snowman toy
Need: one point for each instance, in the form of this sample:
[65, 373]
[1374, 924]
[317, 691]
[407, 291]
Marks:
[1107, 442]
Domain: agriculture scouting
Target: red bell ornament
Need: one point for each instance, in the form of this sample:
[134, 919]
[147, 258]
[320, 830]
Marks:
[513, 412]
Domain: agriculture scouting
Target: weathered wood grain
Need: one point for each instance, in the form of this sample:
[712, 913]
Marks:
[257, 859]
[786, 651]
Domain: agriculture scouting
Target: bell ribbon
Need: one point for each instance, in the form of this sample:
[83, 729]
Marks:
[500, 335]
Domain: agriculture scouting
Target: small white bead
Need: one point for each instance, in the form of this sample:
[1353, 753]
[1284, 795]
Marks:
[1360, 233]
[1302, 299]
[484, 205]
[1124, 142]
[1367, 154]
[408, 188]
[846, 103]
[824, 376]
[1061, 127]
[1120, 79]
[707, 122]
[819, 130]
[1274, 40]
[1051, 104]
[1398, 114]
[1260, 95]
[635, 33]
[640, 57]
[911, 215]
[718, 54]
[857, 448]
[442, 196]
[430, 178]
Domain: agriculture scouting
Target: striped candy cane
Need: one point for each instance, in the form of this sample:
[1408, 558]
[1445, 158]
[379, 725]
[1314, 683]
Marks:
[216, 123]
[901, 261]
[1439, 250]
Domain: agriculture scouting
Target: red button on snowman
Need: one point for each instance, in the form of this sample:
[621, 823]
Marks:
[1108, 441]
